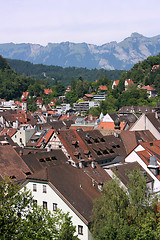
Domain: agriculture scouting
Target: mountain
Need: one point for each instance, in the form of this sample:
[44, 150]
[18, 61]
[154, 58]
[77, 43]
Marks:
[109, 56]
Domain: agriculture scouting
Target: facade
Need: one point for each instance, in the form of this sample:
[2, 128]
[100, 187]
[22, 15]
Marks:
[85, 106]
[68, 189]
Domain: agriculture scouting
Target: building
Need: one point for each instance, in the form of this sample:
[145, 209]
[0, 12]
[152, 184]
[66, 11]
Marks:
[150, 90]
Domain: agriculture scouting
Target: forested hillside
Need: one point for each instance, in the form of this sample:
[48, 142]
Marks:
[13, 84]
[63, 75]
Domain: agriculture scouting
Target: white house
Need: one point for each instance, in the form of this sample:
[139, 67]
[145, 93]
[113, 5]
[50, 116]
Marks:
[148, 121]
[147, 155]
[66, 188]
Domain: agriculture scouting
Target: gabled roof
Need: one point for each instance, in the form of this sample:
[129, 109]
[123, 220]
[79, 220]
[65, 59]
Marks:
[37, 160]
[11, 164]
[46, 137]
[153, 120]
[73, 186]
[24, 95]
[8, 131]
[148, 88]
[103, 87]
[116, 82]
[132, 138]
[129, 81]
[122, 172]
[47, 91]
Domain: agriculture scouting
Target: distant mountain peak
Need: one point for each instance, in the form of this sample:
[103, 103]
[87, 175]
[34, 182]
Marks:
[110, 56]
[136, 35]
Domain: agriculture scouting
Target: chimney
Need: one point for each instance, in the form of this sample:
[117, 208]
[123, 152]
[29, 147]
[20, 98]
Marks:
[93, 164]
[153, 166]
[100, 186]
[20, 153]
[81, 164]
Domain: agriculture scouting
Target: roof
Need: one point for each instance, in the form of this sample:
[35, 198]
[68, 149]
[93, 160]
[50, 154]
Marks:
[132, 138]
[47, 91]
[46, 137]
[8, 131]
[103, 149]
[129, 81]
[116, 82]
[148, 88]
[73, 185]
[122, 172]
[154, 120]
[110, 125]
[88, 95]
[25, 94]
[11, 164]
[103, 87]
[37, 160]
[138, 109]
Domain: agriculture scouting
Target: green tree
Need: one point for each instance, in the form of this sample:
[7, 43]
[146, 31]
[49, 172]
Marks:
[123, 215]
[21, 218]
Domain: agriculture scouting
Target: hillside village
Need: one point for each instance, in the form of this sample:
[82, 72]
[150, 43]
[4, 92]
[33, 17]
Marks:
[65, 155]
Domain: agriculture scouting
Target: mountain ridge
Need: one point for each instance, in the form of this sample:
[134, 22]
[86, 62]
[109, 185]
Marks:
[110, 56]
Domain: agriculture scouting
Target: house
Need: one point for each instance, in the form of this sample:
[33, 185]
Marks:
[127, 110]
[108, 122]
[88, 97]
[102, 88]
[100, 97]
[23, 134]
[25, 95]
[122, 171]
[11, 164]
[155, 67]
[69, 189]
[127, 83]
[85, 105]
[47, 91]
[148, 121]
[150, 90]
[39, 102]
[147, 155]
[115, 84]
[131, 139]
[67, 89]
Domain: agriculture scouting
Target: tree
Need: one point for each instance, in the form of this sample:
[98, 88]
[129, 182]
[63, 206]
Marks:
[121, 215]
[21, 218]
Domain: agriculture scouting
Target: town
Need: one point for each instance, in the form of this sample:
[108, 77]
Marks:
[65, 153]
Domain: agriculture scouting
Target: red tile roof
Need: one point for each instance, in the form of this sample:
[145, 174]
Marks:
[129, 81]
[8, 131]
[110, 125]
[25, 94]
[103, 87]
[46, 137]
[148, 88]
[116, 82]
[47, 91]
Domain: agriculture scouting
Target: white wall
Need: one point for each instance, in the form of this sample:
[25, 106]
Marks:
[133, 157]
[143, 123]
[52, 197]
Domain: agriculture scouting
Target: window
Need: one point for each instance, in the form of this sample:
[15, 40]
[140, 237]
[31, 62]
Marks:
[44, 204]
[34, 187]
[44, 189]
[55, 206]
[80, 229]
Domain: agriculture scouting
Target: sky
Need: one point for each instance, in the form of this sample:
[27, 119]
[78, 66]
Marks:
[91, 21]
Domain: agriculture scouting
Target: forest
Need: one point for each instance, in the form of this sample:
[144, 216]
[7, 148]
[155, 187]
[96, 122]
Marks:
[35, 78]
[55, 74]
